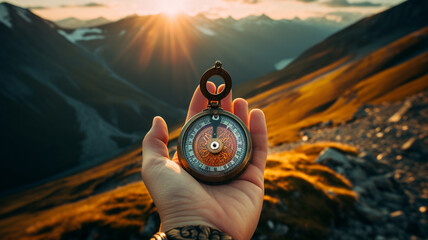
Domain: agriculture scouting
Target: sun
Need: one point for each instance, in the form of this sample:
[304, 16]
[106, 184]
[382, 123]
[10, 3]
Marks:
[171, 8]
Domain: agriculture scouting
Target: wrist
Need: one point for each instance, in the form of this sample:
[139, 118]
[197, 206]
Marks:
[184, 221]
[179, 218]
[192, 232]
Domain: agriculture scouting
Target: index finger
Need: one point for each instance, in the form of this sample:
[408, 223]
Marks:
[199, 102]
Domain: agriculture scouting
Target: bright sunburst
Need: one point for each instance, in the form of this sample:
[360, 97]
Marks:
[171, 8]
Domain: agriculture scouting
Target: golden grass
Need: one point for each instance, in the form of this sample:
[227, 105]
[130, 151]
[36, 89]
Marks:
[304, 195]
[74, 187]
[121, 213]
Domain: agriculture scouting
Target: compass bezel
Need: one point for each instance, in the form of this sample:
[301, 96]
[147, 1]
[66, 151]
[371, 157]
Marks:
[220, 178]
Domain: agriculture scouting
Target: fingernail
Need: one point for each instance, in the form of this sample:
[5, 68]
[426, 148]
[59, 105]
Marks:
[154, 120]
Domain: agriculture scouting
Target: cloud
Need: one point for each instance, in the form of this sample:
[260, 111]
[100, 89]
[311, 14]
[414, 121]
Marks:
[345, 3]
[251, 1]
[244, 1]
[89, 4]
[307, 1]
[346, 17]
[36, 7]
[93, 4]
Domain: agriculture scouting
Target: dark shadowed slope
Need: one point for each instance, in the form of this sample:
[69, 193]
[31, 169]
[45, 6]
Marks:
[60, 107]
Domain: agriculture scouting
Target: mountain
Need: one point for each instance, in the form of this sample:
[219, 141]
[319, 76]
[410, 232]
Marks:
[73, 22]
[374, 189]
[61, 107]
[380, 58]
[75, 97]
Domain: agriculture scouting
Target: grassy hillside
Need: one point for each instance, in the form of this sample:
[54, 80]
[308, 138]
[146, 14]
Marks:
[336, 91]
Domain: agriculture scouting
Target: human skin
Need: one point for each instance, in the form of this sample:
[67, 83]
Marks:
[233, 208]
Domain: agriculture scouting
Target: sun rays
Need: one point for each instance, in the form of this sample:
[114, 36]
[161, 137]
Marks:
[165, 39]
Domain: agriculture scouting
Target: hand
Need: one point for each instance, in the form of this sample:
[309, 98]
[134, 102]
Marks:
[233, 208]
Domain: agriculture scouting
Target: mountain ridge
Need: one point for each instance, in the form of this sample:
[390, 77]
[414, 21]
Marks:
[343, 70]
[61, 95]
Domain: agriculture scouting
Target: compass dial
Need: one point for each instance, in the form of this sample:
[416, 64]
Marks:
[214, 147]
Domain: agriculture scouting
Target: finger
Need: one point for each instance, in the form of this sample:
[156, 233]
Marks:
[240, 109]
[255, 170]
[226, 103]
[199, 102]
[258, 134]
[155, 142]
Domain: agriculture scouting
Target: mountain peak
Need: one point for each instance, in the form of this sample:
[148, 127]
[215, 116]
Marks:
[9, 12]
[4, 14]
[6, 4]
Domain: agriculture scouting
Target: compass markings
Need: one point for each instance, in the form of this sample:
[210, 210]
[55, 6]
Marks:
[230, 125]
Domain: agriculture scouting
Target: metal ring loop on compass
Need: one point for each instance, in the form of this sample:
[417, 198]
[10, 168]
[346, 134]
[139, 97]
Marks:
[217, 70]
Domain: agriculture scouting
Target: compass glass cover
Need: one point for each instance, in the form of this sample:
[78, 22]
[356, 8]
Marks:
[208, 134]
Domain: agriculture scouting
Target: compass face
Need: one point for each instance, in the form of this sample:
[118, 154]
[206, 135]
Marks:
[214, 148]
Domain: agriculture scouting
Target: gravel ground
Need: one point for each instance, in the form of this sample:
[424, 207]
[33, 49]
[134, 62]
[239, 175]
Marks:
[390, 174]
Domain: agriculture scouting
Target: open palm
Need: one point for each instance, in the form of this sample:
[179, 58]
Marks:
[233, 208]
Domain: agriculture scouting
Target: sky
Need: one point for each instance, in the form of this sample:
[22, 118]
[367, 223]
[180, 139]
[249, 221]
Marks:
[336, 10]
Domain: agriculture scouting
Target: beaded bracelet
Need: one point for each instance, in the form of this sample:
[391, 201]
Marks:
[192, 232]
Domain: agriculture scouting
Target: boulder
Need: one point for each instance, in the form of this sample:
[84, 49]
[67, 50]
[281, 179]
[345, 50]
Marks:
[333, 158]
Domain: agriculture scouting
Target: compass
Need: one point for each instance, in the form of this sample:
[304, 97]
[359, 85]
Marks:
[214, 146]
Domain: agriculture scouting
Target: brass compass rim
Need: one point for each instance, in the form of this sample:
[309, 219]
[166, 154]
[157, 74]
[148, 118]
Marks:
[215, 179]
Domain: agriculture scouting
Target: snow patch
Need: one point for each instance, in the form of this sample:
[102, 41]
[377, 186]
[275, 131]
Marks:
[4, 16]
[98, 132]
[82, 34]
[25, 14]
[122, 32]
[206, 31]
[283, 63]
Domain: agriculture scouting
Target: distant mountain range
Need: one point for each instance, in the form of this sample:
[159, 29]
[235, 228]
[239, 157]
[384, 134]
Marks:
[164, 55]
[73, 22]
[74, 97]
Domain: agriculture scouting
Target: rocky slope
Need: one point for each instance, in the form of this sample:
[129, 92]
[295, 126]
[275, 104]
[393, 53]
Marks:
[390, 174]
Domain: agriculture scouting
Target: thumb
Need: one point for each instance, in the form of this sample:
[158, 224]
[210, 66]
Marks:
[155, 142]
